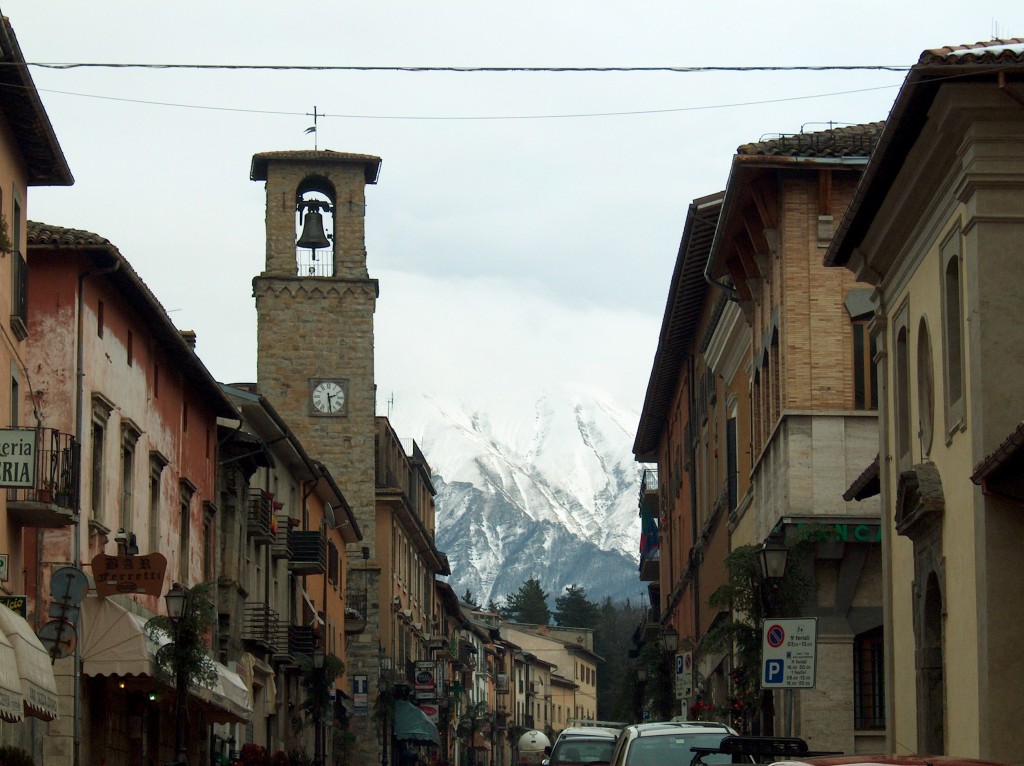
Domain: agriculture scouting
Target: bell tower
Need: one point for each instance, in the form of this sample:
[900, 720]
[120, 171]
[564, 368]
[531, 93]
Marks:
[314, 304]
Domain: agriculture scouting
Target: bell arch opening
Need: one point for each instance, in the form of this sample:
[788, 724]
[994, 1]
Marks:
[314, 227]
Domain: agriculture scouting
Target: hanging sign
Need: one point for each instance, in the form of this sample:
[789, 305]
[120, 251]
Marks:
[17, 457]
[129, 574]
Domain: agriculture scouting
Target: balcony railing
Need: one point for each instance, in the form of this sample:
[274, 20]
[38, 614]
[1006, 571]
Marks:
[281, 547]
[295, 640]
[309, 552]
[262, 627]
[53, 499]
[262, 525]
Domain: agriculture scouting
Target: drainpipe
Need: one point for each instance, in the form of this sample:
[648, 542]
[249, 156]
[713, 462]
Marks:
[77, 544]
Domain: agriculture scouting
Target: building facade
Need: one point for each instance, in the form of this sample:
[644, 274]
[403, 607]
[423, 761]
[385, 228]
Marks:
[935, 226]
[813, 411]
[111, 370]
[30, 156]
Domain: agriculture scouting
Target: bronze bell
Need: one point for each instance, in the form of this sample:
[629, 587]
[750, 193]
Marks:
[313, 235]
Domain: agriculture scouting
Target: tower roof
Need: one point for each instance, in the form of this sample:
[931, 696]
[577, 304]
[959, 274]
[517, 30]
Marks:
[371, 164]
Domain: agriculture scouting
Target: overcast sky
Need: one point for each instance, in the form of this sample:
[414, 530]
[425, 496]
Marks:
[525, 225]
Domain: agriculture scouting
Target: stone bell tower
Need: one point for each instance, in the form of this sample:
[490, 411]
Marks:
[315, 303]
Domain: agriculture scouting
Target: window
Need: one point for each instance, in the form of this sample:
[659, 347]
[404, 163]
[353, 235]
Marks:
[901, 391]
[15, 398]
[128, 348]
[130, 434]
[99, 319]
[731, 461]
[925, 387]
[187, 489]
[157, 463]
[865, 391]
[101, 409]
[952, 328]
[868, 681]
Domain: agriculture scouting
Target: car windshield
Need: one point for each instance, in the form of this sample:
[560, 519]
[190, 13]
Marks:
[676, 748]
[582, 750]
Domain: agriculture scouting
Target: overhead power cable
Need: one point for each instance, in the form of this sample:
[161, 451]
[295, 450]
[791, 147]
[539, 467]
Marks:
[468, 69]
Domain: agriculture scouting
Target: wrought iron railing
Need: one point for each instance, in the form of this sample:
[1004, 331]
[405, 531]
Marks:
[260, 519]
[53, 497]
[262, 625]
[309, 552]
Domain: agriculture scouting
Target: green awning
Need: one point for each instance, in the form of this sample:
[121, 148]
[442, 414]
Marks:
[412, 724]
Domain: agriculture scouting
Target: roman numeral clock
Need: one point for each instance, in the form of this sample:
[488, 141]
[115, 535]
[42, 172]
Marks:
[328, 396]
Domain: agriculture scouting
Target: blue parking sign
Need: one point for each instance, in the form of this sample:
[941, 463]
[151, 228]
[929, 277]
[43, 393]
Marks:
[774, 671]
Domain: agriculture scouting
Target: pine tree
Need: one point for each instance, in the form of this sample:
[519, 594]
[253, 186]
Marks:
[528, 605]
[468, 599]
[574, 610]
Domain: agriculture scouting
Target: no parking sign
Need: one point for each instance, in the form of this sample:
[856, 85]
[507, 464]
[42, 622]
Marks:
[788, 653]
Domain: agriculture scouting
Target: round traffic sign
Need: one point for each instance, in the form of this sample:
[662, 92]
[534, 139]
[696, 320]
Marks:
[776, 635]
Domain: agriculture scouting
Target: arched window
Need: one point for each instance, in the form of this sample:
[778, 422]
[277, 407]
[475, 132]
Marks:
[925, 387]
[901, 391]
[952, 329]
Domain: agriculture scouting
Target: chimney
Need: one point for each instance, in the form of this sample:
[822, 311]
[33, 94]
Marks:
[189, 336]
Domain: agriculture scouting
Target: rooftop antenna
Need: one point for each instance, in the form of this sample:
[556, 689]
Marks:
[391, 404]
[312, 129]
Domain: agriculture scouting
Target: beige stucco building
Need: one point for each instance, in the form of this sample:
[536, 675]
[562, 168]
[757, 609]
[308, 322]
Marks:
[936, 226]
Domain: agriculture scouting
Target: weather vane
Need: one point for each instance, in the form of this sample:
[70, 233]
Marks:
[312, 129]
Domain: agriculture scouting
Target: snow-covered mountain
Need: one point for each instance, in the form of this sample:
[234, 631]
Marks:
[545, 486]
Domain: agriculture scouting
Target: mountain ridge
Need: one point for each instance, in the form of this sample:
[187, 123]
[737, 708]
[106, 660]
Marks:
[551, 495]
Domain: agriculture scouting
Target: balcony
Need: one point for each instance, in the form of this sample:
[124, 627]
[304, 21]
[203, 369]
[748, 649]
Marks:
[309, 552]
[355, 615]
[281, 546]
[261, 627]
[260, 519]
[41, 492]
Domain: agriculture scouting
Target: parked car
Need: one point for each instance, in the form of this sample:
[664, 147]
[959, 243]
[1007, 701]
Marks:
[671, 742]
[581, 745]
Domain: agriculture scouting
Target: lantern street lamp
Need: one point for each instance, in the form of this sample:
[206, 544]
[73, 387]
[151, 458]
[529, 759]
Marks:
[177, 607]
[670, 639]
[772, 556]
[318, 735]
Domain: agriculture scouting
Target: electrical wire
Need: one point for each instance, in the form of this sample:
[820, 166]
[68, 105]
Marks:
[471, 118]
[466, 70]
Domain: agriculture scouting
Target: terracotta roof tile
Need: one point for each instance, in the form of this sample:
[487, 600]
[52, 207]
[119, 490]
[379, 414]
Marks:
[58, 236]
[847, 141]
[258, 169]
[990, 52]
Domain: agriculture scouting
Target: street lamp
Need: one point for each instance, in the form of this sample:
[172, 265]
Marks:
[670, 639]
[177, 605]
[772, 557]
[318, 743]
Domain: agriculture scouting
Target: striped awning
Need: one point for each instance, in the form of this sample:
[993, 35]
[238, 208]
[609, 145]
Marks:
[12, 707]
[115, 643]
[34, 666]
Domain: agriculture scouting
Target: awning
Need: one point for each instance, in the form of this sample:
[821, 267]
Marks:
[413, 725]
[228, 701]
[12, 708]
[114, 642]
[35, 669]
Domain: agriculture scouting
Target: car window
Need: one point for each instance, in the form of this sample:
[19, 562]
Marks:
[582, 750]
[674, 749]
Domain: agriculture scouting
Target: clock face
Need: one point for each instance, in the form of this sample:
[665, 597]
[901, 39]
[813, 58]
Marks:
[328, 397]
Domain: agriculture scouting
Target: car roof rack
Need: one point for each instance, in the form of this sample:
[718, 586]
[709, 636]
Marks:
[762, 749]
[592, 722]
